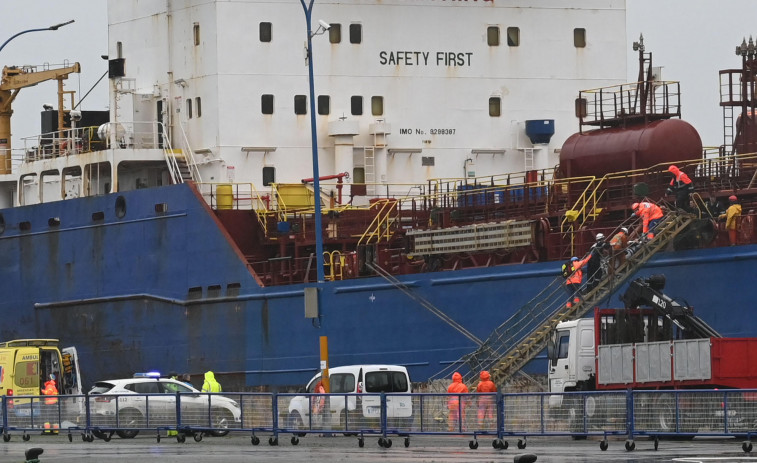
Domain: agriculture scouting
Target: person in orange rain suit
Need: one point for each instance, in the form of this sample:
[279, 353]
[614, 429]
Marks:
[650, 214]
[731, 217]
[487, 405]
[319, 402]
[50, 407]
[573, 282]
[453, 402]
[681, 186]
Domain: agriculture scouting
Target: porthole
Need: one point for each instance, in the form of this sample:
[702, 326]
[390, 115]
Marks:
[53, 221]
[120, 207]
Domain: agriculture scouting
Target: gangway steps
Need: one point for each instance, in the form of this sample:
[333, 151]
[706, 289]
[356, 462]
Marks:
[519, 339]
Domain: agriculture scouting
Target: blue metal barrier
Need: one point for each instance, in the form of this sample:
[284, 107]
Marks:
[654, 414]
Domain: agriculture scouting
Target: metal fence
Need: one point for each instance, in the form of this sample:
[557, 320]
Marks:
[657, 414]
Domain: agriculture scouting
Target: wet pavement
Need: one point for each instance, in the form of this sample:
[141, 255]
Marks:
[238, 448]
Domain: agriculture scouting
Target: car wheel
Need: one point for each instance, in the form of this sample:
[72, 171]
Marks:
[129, 419]
[222, 419]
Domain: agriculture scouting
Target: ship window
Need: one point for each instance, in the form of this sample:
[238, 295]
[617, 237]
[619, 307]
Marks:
[356, 103]
[269, 175]
[265, 32]
[356, 33]
[513, 36]
[196, 33]
[335, 33]
[495, 106]
[324, 105]
[579, 37]
[358, 181]
[2, 223]
[194, 293]
[198, 106]
[377, 105]
[98, 216]
[300, 104]
[266, 104]
[492, 36]
[120, 207]
[25, 226]
[53, 221]
[214, 291]
[232, 289]
[189, 108]
[427, 161]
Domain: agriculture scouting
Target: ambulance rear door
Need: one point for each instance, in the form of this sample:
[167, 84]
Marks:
[71, 377]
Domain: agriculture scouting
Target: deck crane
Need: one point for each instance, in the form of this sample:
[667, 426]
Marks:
[13, 80]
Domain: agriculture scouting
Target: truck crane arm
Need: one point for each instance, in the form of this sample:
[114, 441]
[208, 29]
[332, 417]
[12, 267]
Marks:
[648, 292]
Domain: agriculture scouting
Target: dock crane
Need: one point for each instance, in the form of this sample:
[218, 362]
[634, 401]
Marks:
[13, 80]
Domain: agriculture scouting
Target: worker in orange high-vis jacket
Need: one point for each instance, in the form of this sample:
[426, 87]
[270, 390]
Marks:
[681, 186]
[650, 214]
[573, 282]
[50, 406]
[453, 402]
[487, 404]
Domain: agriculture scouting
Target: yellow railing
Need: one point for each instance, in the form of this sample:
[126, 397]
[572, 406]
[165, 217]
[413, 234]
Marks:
[381, 226]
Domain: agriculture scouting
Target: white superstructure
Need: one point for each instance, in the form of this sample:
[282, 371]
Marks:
[416, 89]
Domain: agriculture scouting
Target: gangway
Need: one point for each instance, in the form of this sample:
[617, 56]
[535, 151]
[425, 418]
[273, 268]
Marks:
[522, 336]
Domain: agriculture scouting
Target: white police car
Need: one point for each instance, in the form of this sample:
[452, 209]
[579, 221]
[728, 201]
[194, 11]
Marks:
[148, 401]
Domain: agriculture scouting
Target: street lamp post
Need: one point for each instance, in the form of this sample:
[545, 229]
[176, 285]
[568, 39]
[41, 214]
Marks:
[314, 142]
[51, 28]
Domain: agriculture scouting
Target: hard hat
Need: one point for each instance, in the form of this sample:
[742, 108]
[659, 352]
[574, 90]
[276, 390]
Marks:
[573, 259]
[52, 376]
[600, 236]
[635, 206]
[624, 230]
[733, 198]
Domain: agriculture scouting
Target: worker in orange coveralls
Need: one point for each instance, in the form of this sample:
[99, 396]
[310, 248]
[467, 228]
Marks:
[453, 403]
[487, 405]
[650, 214]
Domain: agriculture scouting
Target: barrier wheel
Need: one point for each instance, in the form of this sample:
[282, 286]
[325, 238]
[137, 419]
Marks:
[198, 437]
[603, 445]
[90, 438]
[294, 440]
[106, 438]
[521, 444]
[361, 442]
[70, 438]
[273, 441]
[746, 447]
[254, 440]
[181, 438]
[84, 437]
[473, 445]
[630, 445]
[157, 438]
[407, 442]
[656, 442]
[6, 437]
[381, 442]
[388, 443]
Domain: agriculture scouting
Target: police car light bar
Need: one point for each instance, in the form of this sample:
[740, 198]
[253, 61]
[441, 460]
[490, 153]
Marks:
[149, 374]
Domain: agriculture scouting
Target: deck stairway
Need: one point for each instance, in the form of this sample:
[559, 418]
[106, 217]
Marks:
[521, 337]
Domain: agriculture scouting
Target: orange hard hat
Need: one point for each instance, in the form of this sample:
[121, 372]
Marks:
[733, 198]
[635, 206]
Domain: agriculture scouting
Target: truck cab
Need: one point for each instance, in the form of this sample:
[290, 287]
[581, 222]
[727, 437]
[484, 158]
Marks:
[571, 356]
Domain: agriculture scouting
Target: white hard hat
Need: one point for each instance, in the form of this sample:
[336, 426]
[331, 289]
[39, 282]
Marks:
[600, 236]
[624, 230]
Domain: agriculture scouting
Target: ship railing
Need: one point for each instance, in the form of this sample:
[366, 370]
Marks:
[613, 105]
[605, 415]
[189, 154]
[384, 222]
[61, 143]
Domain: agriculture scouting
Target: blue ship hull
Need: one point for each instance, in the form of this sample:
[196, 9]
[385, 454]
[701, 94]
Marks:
[170, 290]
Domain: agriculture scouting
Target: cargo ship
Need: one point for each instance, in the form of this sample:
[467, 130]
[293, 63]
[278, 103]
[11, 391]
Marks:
[186, 229]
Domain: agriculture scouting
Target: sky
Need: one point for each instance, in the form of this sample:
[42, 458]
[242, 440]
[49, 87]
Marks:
[690, 39]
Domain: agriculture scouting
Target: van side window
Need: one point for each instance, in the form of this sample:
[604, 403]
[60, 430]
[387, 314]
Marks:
[385, 381]
[342, 383]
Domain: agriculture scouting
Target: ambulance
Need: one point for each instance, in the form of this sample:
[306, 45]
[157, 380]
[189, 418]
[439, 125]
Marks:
[25, 365]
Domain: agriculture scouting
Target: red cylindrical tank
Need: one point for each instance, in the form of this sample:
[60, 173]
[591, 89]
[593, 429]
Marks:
[599, 152]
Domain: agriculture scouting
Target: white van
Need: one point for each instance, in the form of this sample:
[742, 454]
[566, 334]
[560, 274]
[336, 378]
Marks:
[364, 410]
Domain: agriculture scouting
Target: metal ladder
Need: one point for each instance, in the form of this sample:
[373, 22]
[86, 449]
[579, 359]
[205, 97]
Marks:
[369, 165]
[521, 337]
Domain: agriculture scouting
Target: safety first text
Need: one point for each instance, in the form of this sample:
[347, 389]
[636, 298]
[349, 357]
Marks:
[425, 58]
